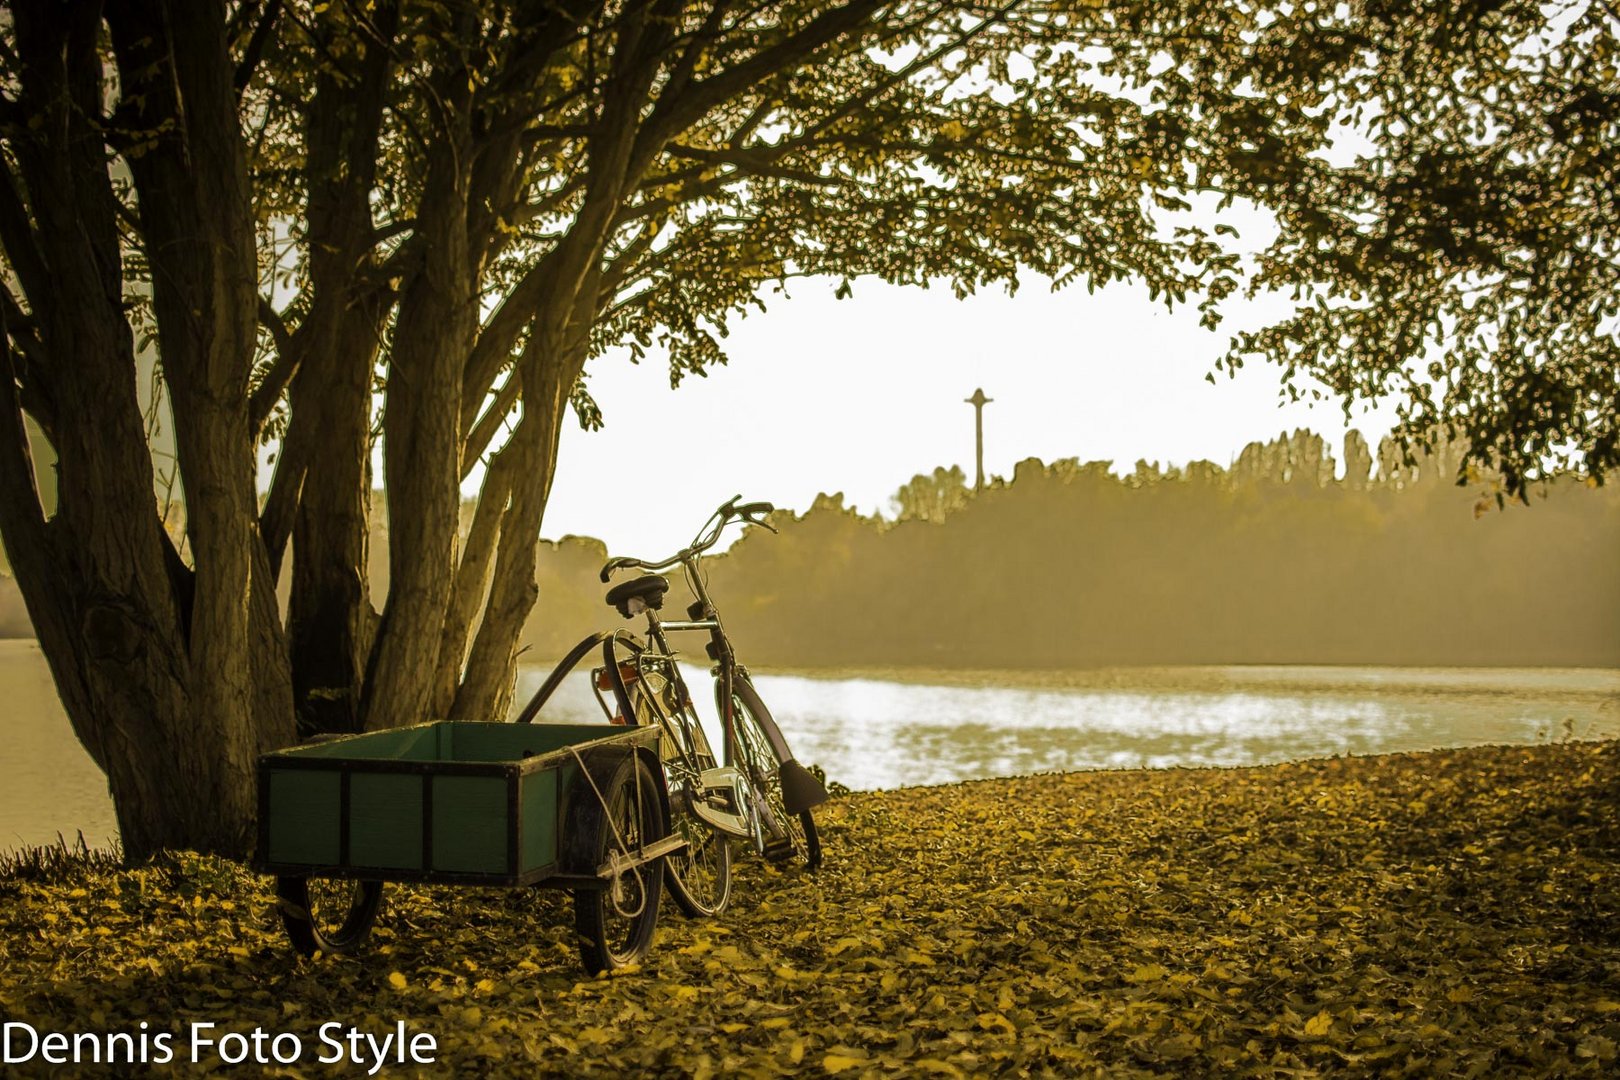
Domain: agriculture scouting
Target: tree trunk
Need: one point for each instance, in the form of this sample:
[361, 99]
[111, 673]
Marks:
[171, 680]
[472, 578]
[330, 620]
[549, 366]
[197, 216]
[422, 438]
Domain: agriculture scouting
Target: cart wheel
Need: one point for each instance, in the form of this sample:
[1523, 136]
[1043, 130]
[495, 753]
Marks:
[615, 923]
[332, 915]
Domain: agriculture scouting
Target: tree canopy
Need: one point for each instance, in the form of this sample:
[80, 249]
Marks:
[1467, 260]
[417, 222]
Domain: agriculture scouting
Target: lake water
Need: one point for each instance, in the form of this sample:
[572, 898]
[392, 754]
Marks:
[884, 729]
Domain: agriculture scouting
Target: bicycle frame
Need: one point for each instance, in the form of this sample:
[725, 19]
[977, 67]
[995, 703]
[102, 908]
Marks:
[658, 659]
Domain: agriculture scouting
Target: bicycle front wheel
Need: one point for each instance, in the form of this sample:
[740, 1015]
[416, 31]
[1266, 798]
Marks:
[799, 842]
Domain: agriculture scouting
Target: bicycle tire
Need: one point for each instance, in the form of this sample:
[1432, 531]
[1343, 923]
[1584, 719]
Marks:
[761, 761]
[699, 876]
[307, 917]
[616, 931]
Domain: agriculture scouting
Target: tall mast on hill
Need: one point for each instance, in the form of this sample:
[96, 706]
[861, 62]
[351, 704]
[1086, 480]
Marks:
[978, 401]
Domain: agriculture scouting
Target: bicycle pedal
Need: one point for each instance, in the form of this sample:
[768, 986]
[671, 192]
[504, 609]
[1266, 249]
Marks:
[778, 850]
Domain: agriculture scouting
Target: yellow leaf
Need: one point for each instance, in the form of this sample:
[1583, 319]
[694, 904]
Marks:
[396, 980]
[1148, 973]
[1319, 1025]
[839, 1062]
[733, 1029]
[991, 1021]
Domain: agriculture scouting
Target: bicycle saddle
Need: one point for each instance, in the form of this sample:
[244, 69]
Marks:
[649, 590]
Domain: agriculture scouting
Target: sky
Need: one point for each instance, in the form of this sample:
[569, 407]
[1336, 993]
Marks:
[858, 395]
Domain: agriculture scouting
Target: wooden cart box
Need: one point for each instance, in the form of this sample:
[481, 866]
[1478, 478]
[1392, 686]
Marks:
[470, 803]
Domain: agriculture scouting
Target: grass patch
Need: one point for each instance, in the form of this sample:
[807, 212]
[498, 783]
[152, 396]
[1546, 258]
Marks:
[53, 862]
[1449, 913]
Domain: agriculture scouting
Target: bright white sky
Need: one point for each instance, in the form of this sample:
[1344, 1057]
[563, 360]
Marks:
[859, 395]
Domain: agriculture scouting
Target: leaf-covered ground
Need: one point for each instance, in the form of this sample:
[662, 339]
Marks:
[1445, 914]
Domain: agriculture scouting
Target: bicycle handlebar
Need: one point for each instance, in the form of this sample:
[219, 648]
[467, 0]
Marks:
[754, 513]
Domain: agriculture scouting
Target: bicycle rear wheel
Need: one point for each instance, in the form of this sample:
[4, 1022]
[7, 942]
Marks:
[801, 843]
[699, 876]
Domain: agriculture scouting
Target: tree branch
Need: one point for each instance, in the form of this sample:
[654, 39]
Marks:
[676, 114]
[19, 241]
[755, 165]
[286, 489]
[288, 358]
[36, 397]
[483, 432]
[254, 52]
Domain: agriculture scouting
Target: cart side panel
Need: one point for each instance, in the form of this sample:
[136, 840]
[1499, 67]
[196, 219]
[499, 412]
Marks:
[538, 811]
[385, 821]
[470, 824]
[304, 816]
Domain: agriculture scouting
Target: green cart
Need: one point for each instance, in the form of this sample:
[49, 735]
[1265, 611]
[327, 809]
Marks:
[583, 807]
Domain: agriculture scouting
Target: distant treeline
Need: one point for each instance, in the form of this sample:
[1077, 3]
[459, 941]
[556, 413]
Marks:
[1274, 560]
[1278, 559]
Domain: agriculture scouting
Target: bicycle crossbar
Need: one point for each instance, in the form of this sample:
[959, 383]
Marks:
[703, 624]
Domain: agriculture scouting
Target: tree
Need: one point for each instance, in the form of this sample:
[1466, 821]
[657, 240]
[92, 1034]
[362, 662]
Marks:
[932, 497]
[1467, 261]
[418, 221]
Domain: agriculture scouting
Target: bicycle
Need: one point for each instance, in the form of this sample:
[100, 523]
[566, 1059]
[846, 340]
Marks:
[758, 792]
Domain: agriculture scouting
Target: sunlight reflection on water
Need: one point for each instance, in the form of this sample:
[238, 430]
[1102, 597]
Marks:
[935, 727]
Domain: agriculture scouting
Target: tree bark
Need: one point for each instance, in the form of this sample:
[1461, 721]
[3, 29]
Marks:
[472, 577]
[330, 620]
[422, 428]
[197, 216]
